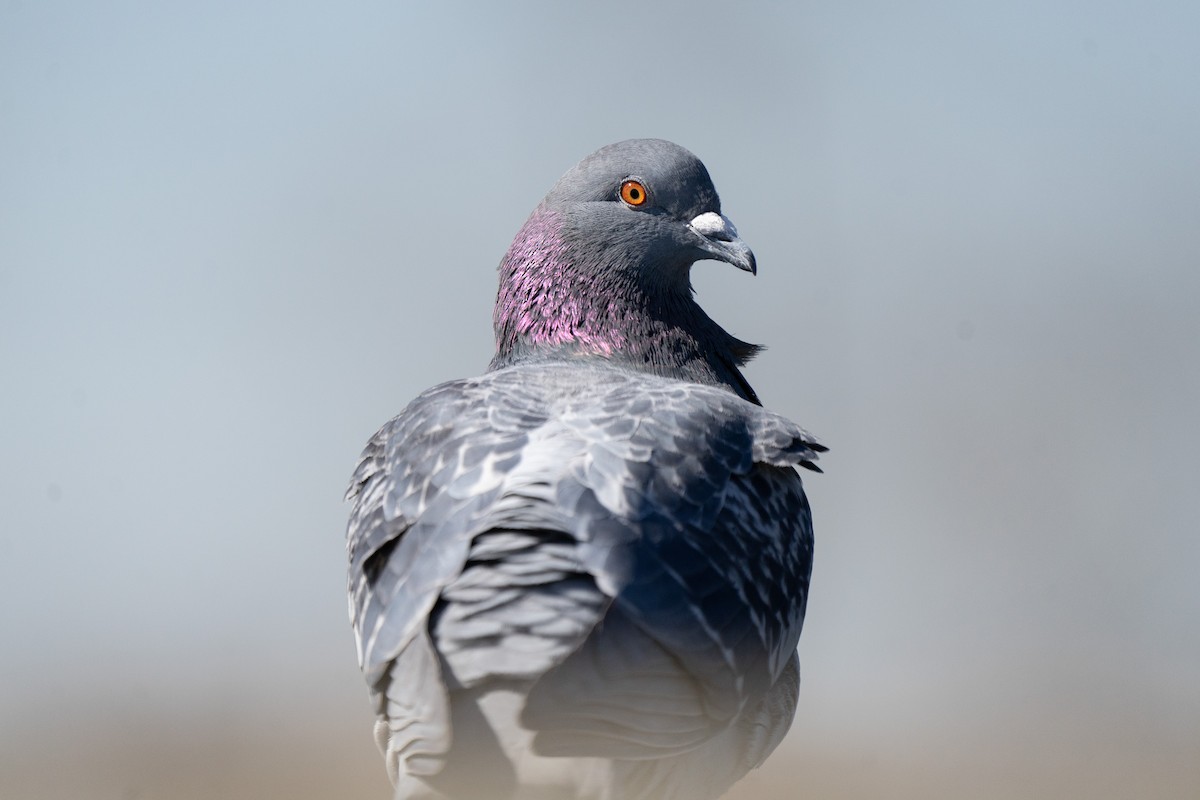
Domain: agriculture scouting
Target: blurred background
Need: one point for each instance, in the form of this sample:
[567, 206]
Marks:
[235, 239]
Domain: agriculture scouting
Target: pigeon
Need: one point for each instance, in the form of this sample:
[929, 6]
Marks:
[583, 574]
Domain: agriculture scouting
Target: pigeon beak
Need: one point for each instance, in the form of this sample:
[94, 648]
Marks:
[721, 241]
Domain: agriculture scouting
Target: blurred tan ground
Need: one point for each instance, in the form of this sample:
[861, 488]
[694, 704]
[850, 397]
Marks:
[234, 755]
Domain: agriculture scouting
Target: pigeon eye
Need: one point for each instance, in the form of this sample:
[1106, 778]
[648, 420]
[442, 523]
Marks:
[634, 193]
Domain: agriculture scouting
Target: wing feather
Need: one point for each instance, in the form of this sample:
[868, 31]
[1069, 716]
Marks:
[612, 535]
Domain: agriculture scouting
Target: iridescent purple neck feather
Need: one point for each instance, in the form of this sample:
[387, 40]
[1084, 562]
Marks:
[570, 294]
[544, 304]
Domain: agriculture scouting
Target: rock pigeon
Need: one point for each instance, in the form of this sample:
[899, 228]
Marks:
[583, 574]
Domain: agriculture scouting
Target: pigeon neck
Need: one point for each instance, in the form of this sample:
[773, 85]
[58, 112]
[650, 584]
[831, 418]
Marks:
[558, 301]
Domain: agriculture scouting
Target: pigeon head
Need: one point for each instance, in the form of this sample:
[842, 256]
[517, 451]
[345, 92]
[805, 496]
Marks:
[602, 268]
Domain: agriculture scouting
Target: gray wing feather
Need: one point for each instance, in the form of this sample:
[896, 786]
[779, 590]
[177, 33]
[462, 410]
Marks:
[677, 501]
[425, 481]
[715, 550]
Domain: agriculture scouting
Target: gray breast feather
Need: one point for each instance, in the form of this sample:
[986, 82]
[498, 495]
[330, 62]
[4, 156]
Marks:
[677, 502]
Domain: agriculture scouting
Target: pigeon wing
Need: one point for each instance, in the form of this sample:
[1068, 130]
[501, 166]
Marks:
[690, 515]
[678, 500]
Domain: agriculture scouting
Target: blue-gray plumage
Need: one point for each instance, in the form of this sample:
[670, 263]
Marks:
[584, 573]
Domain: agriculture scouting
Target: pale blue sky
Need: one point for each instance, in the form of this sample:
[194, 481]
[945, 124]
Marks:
[234, 241]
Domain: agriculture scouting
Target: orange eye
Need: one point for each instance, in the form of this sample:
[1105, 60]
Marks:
[634, 193]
